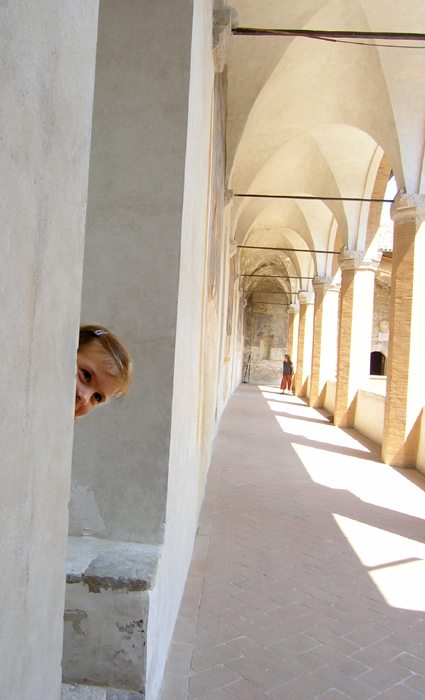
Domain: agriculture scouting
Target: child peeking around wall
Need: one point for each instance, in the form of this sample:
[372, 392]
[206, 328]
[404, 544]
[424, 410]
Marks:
[103, 368]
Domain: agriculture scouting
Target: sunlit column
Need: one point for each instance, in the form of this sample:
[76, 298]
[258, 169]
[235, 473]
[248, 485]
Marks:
[293, 324]
[323, 365]
[355, 331]
[305, 342]
[406, 375]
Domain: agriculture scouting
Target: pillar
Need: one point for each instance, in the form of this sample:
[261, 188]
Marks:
[355, 331]
[145, 276]
[293, 325]
[47, 75]
[323, 366]
[406, 377]
[305, 342]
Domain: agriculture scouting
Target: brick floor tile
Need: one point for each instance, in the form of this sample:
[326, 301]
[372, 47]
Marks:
[215, 605]
[354, 689]
[294, 645]
[256, 601]
[263, 657]
[206, 640]
[174, 687]
[416, 683]
[331, 623]
[286, 612]
[377, 653]
[367, 635]
[335, 641]
[330, 695]
[179, 658]
[399, 692]
[267, 679]
[219, 694]
[262, 678]
[207, 681]
[413, 663]
[214, 656]
[385, 676]
[213, 621]
[185, 629]
[305, 688]
[243, 690]
[261, 619]
[346, 664]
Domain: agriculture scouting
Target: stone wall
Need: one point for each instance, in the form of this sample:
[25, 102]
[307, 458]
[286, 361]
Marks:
[266, 338]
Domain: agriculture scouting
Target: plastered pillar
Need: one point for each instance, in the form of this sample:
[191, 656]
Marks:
[293, 325]
[355, 331]
[47, 77]
[305, 342]
[323, 365]
[406, 376]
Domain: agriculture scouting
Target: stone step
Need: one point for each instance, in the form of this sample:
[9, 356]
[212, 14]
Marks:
[75, 691]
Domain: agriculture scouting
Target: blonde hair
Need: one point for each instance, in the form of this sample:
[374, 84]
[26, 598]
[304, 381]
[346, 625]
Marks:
[117, 355]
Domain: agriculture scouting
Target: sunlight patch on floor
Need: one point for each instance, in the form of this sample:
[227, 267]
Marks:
[314, 429]
[362, 478]
[396, 564]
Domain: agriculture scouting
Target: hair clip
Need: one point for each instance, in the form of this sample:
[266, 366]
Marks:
[100, 332]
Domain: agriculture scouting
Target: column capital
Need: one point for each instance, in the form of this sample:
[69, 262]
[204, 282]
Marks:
[408, 207]
[233, 247]
[359, 260]
[327, 284]
[306, 297]
[293, 308]
[222, 34]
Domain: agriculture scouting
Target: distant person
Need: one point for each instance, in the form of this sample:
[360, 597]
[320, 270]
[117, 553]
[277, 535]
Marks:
[287, 374]
[103, 368]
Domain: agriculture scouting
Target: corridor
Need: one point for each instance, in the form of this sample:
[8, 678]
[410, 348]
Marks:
[308, 572]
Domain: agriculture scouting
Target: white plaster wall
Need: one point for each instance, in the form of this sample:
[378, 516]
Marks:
[329, 403]
[369, 417]
[185, 449]
[132, 258]
[47, 78]
[378, 384]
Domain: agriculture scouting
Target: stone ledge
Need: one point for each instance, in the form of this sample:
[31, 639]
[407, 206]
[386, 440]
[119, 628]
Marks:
[82, 692]
[106, 564]
[75, 691]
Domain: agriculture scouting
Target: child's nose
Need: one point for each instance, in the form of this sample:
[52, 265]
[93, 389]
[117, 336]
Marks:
[84, 393]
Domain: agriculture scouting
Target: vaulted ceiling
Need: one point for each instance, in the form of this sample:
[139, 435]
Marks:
[321, 123]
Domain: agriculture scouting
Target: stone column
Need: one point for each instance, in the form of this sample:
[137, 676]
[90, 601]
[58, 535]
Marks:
[355, 331]
[293, 324]
[305, 342]
[406, 376]
[323, 366]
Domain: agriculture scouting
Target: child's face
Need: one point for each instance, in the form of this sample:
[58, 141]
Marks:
[94, 385]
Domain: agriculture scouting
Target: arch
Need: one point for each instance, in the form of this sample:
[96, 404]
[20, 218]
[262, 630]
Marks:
[378, 363]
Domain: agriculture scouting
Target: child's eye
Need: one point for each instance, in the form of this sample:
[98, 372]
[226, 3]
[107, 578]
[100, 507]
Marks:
[87, 375]
[97, 397]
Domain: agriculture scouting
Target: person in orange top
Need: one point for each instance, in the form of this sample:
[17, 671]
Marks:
[287, 374]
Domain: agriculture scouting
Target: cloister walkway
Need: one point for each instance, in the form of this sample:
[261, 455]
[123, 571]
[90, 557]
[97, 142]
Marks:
[308, 572]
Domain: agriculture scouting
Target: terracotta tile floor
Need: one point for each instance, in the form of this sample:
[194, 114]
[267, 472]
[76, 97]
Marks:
[308, 572]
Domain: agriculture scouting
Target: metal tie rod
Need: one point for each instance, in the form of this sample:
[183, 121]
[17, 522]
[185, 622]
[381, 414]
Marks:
[314, 198]
[318, 33]
[291, 250]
